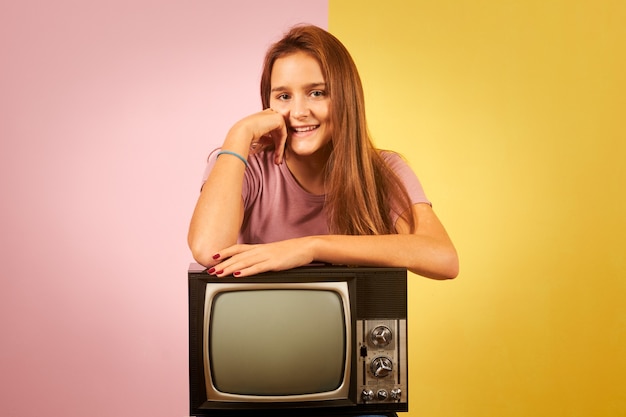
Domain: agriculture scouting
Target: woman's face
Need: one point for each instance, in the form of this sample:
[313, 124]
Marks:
[299, 93]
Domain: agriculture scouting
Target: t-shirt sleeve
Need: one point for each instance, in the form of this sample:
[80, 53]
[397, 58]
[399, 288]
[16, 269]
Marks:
[210, 163]
[407, 176]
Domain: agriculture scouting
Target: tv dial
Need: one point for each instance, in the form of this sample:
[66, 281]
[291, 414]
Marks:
[381, 336]
[382, 395]
[367, 395]
[381, 366]
[396, 394]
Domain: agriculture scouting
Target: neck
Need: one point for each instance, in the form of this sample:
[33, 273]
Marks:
[309, 171]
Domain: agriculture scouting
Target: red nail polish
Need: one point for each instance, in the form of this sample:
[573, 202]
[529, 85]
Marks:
[216, 256]
[237, 273]
[210, 271]
[219, 272]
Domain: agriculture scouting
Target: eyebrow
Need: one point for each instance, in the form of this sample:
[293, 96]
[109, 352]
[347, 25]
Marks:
[307, 87]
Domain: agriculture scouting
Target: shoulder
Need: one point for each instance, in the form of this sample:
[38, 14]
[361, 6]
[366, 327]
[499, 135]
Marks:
[396, 162]
[400, 166]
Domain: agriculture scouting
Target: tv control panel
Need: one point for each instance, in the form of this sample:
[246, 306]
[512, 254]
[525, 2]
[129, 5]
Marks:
[382, 361]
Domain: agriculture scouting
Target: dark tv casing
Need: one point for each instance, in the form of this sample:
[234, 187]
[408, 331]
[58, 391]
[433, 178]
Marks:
[376, 333]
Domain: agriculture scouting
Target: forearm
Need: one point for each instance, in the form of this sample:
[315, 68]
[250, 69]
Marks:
[218, 213]
[423, 255]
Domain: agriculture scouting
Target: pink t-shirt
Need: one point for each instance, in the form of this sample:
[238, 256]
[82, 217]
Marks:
[277, 208]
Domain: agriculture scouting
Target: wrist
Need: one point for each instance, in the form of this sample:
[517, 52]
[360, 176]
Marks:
[242, 134]
[314, 247]
[238, 140]
[234, 154]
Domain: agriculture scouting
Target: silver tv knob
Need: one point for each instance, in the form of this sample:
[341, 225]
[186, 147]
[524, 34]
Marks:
[367, 395]
[381, 395]
[381, 336]
[396, 394]
[381, 366]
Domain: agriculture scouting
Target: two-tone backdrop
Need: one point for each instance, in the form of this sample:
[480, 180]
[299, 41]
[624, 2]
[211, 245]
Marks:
[509, 112]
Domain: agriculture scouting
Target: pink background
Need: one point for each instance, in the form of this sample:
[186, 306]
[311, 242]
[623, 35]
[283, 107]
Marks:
[107, 112]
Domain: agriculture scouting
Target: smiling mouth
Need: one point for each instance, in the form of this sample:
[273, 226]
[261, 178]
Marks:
[304, 129]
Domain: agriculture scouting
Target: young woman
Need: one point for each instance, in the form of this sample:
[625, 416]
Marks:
[301, 181]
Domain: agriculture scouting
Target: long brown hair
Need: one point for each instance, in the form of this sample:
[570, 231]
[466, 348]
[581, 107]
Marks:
[361, 190]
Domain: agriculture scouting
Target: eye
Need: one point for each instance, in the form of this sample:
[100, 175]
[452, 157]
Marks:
[318, 93]
[283, 96]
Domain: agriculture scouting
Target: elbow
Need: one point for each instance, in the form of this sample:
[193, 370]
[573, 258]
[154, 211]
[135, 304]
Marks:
[201, 257]
[447, 262]
[449, 267]
[205, 246]
[441, 274]
[445, 267]
[452, 269]
[201, 252]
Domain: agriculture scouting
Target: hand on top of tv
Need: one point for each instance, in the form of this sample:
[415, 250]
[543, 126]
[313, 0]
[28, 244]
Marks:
[245, 260]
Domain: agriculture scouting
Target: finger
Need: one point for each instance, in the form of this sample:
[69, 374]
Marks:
[240, 271]
[246, 272]
[231, 268]
[281, 146]
[256, 146]
[220, 259]
[231, 250]
[223, 269]
[281, 140]
[234, 258]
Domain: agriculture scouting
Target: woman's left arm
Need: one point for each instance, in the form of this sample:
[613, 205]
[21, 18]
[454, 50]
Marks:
[428, 251]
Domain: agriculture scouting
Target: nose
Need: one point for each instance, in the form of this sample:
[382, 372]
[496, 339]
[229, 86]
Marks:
[300, 107]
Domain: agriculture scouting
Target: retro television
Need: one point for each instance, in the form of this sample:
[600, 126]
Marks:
[315, 340]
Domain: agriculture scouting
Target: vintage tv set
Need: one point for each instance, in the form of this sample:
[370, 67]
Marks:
[316, 340]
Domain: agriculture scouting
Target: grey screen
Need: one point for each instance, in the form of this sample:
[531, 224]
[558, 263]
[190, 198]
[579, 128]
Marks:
[277, 341]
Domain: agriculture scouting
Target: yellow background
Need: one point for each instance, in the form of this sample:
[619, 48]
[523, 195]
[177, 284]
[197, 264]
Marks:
[512, 113]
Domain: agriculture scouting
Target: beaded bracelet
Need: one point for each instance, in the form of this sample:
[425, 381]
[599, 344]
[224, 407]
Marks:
[235, 154]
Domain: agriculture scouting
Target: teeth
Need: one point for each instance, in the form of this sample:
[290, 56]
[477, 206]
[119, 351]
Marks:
[305, 129]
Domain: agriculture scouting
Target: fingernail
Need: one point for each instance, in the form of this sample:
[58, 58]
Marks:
[237, 273]
[216, 256]
[210, 271]
[219, 272]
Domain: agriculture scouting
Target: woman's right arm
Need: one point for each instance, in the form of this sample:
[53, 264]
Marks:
[218, 214]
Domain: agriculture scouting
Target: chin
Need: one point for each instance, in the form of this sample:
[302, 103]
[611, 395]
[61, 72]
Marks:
[305, 152]
[307, 149]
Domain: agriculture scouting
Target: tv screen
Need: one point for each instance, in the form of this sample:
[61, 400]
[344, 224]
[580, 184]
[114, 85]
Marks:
[302, 327]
